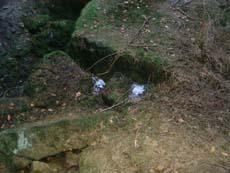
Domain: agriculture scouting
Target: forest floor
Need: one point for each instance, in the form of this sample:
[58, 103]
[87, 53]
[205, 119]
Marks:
[179, 125]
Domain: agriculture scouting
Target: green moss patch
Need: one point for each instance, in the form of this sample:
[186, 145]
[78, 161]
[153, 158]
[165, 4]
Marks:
[34, 24]
[55, 35]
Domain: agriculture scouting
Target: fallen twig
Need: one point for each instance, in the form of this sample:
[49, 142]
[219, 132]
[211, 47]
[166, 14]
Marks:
[111, 65]
[188, 2]
[139, 30]
[137, 135]
[119, 53]
[184, 13]
[115, 105]
[4, 94]
[101, 59]
[142, 45]
[217, 165]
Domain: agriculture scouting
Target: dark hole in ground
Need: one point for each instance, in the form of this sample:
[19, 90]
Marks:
[68, 9]
[141, 72]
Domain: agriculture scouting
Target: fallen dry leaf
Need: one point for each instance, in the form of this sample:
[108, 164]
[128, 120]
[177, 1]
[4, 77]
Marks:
[212, 150]
[225, 154]
[8, 117]
[78, 94]
[160, 168]
[181, 120]
[50, 110]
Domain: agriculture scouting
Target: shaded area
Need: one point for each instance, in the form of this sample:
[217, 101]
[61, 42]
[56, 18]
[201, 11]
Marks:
[42, 28]
[3, 2]
[69, 9]
[29, 30]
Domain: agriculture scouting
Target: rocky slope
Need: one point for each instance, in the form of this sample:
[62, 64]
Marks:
[178, 51]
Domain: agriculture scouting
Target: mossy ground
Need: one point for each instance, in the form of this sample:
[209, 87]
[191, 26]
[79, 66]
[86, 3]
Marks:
[181, 124]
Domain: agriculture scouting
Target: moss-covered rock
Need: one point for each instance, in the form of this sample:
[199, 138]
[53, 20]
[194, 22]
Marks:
[54, 36]
[57, 78]
[118, 30]
[35, 23]
[7, 145]
[19, 147]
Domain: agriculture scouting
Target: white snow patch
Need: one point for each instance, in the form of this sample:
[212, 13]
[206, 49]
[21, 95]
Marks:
[98, 85]
[22, 142]
[137, 90]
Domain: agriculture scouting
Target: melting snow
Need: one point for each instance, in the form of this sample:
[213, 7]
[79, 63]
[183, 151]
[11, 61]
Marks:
[137, 90]
[98, 85]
